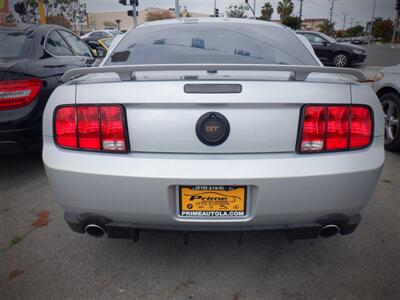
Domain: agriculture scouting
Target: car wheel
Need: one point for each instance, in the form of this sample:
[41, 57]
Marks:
[391, 108]
[341, 60]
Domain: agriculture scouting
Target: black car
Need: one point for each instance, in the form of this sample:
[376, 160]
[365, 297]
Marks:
[330, 52]
[32, 60]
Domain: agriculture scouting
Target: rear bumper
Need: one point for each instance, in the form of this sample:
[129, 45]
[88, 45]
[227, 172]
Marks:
[123, 230]
[15, 141]
[285, 190]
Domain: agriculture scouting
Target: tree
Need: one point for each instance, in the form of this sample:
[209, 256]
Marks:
[118, 22]
[327, 27]
[339, 33]
[235, 11]
[32, 15]
[185, 13]
[10, 19]
[59, 20]
[109, 24]
[266, 11]
[383, 29]
[159, 15]
[354, 31]
[285, 8]
[52, 7]
[291, 22]
[74, 11]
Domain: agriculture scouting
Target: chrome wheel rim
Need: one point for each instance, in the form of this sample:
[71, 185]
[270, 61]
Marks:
[392, 125]
[341, 60]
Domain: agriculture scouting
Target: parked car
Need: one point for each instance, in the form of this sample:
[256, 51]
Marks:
[387, 87]
[32, 60]
[359, 40]
[330, 52]
[92, 38]
[203, 134]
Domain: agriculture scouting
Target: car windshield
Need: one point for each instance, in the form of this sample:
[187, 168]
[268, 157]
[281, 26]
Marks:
[208, 42]
[107, 42]
[114, 32]
[12, 43]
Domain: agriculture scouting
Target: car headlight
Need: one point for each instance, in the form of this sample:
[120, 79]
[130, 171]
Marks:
[358, 51]
[379, 76]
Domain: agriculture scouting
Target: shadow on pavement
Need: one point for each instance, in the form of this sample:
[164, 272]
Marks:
[20, 163]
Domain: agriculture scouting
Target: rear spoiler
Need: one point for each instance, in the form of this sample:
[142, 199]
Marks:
[127, 72]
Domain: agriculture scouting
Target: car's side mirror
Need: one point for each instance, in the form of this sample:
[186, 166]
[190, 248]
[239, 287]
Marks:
[325, 43]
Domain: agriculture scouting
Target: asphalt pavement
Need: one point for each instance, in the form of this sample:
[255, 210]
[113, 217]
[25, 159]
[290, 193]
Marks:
[381, 55]
[40, 258]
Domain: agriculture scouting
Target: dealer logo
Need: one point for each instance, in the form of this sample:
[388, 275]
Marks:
[212, 129]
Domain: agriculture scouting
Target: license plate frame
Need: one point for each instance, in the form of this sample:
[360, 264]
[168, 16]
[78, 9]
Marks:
[217, 206]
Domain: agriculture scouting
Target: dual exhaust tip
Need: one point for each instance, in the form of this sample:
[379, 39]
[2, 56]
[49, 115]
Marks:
[95, 230]
[98, 231]
[329, 230]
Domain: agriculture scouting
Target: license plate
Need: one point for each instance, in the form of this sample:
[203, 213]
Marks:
[212, 201]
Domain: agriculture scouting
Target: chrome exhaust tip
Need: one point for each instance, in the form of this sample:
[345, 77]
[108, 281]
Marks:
[94, 230]
[329, 230]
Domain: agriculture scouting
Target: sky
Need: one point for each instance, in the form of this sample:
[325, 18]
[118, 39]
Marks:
[356, 11]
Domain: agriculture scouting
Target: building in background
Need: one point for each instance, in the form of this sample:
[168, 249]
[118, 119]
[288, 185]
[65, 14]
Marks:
[312, 24]
[109, 20]
[4, 10]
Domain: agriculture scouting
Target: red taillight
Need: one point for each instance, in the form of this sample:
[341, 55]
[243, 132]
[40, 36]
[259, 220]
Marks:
[112, 128]
[91, 127]
[18, 93]
[66, 127]
[361, 126]
[314, 129]
[338, 128]
[335, 127]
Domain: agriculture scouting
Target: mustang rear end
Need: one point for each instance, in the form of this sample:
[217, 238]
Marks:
[230, 146]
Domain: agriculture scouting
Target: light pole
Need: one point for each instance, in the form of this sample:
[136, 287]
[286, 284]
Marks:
[253, 10]
[301, 12]
[372, 23]
[134, 2]
[177, 9]
[344, 21]
[331, 12]
[215, 8]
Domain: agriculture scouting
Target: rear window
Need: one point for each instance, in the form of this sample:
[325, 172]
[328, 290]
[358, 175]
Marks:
[12, 44]
[198, 43]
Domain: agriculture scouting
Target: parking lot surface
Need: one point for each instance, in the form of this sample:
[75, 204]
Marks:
[378, 55]
[41, 258]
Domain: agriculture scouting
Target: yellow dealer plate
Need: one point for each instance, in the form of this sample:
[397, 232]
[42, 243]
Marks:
[212, 201]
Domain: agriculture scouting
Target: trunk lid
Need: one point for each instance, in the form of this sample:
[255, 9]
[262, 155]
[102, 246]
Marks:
[162, 116]
[6, 65]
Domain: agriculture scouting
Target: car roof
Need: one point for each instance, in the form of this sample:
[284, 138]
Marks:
[209, 20]
[307, 31]
[29, 28]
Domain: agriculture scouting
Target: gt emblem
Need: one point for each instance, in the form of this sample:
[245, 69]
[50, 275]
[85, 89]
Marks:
[212, 129]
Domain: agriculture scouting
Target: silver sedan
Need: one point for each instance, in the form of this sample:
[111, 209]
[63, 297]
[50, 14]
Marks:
[387, 87]
[213, 124]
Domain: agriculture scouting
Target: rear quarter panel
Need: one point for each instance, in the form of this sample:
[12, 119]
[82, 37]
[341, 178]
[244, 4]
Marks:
[363, 94]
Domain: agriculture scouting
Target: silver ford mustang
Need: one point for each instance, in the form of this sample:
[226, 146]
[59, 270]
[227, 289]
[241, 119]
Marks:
[213, 125]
